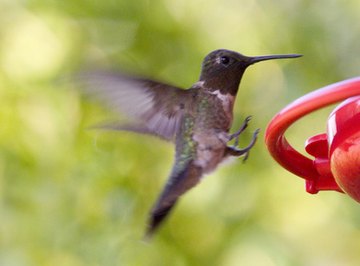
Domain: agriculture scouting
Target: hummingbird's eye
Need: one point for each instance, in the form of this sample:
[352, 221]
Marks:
[225, 60]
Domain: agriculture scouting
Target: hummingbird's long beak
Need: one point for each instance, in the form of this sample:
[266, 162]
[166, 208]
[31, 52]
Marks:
[256, 59]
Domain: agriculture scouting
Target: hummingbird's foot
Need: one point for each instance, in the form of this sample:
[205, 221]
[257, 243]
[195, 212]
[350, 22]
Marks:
[234, 151]
[241, 129]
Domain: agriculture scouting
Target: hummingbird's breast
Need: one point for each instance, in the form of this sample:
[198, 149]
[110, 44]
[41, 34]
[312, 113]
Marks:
[213, 120]
[227, 103]
[214, 111]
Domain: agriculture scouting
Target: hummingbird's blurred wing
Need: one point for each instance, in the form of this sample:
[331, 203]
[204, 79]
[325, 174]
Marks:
[184, 176]
[153, 107]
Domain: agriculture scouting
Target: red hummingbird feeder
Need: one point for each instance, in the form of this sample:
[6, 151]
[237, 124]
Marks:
[336, 162]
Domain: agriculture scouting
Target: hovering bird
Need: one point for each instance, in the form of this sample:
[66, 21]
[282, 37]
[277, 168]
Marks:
[197, 120]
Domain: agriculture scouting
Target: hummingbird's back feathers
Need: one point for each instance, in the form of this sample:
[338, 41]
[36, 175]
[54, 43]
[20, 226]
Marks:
[153, 107]
[184, 176]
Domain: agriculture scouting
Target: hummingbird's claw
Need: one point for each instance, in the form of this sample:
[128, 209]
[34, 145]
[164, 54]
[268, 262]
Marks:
[256, 133]
[246, 156]
[252, 143]
[248, 118]
[234, 151]
[241, 129]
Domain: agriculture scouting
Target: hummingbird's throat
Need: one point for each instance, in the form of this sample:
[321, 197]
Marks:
[227, 101]
[224, 86]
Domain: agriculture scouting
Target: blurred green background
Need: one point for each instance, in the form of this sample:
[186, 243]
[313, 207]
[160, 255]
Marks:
[71, 196]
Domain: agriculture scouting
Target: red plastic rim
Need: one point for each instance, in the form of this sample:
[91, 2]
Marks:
[275, 140]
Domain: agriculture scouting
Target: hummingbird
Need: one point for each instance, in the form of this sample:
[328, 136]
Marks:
[197, 120]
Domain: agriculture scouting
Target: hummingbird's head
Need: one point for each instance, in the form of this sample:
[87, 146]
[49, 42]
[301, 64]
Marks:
[223, 69]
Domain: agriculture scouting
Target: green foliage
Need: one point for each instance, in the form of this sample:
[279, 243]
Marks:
[71, 196]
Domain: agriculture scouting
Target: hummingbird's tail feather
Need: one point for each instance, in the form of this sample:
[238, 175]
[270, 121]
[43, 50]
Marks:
[181, 180]
[156, 219]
